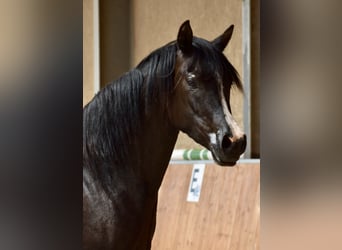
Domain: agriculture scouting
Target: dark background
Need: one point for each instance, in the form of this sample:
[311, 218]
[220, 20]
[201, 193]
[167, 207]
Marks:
[40, 125]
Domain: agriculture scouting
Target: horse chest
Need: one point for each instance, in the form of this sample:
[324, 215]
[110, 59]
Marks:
[125, 220]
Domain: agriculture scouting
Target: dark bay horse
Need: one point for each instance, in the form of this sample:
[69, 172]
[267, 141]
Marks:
[131, 126]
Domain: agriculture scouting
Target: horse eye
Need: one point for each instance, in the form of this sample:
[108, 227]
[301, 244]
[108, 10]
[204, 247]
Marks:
[190, 77]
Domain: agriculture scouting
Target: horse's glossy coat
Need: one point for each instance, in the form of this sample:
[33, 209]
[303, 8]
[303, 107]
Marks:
[131, 126]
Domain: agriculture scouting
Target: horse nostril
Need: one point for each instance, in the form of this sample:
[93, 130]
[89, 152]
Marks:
[226, 142]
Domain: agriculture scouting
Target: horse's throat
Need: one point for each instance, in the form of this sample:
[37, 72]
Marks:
[158, 146]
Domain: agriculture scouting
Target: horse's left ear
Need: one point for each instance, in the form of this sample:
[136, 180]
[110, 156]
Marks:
[184, 38]
[221, 42]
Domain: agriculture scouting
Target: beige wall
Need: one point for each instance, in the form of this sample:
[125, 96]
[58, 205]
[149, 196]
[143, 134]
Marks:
[115, 39]
[88, 44]
[156, 23]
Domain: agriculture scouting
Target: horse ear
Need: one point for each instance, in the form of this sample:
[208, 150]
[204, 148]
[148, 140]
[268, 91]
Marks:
[221, 42]
[184, 38]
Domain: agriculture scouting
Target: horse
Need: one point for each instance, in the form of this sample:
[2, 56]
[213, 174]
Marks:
[131, 126]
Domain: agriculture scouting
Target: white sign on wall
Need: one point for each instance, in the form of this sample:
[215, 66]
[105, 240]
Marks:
[196, 183]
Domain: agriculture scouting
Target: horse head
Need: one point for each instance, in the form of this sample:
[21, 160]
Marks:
[200, 102]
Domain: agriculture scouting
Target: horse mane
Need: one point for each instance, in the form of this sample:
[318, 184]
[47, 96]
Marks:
[109, 123]
[115, 116]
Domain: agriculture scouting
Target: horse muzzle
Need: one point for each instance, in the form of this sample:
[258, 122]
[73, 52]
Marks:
[227, 149]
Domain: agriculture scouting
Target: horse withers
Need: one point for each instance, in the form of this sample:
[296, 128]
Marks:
[130, 128]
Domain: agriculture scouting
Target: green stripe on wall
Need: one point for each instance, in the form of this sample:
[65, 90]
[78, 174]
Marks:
[205, 154]
[185, 154]
[195, 154]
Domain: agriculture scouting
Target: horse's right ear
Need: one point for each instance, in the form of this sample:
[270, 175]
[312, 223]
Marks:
[184, 38]
[221, 42]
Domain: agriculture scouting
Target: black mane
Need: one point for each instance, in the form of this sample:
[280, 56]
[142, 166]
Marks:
[109, 123]
[112, 120]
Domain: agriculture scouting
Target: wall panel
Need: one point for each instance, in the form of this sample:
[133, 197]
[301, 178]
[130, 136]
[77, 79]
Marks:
[227, 215]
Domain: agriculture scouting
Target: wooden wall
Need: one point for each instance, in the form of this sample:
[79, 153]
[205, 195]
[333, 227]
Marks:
[227, 216]
[255, 82]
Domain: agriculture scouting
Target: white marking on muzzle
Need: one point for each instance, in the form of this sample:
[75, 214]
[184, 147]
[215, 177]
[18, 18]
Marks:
[212, 137]
[235, 129]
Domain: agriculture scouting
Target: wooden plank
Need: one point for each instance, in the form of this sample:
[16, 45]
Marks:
[226, 216]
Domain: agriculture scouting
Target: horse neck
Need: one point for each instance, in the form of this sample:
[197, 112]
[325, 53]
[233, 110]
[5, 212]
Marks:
[158, 142]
